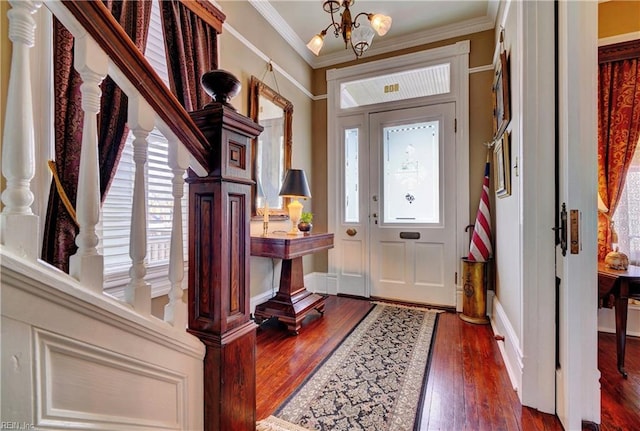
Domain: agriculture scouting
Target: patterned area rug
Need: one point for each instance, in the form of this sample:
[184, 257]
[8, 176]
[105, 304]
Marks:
[372, 381]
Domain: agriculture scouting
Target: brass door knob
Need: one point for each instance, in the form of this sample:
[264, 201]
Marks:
[351, 231]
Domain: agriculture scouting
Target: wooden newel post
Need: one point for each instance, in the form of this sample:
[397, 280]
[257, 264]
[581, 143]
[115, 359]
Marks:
[219, 253]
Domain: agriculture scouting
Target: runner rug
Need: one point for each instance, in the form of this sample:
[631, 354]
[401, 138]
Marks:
[373, 380]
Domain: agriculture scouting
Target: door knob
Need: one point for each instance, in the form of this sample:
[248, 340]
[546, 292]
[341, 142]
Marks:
[351, 231]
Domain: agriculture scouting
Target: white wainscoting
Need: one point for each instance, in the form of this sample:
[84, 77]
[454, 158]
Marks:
[509, 348]
[73, 359]
[607, 320]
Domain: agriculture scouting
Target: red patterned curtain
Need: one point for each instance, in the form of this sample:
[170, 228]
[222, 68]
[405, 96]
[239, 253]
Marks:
[618, 127]
[192, 49]
[60, 230]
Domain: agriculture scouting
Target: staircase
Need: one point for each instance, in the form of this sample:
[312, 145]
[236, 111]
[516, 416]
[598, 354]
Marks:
[73, 356]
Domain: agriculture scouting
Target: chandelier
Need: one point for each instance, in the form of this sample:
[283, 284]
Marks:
[359, 37]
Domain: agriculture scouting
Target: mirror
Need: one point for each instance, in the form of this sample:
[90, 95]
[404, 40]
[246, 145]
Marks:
[271, 150]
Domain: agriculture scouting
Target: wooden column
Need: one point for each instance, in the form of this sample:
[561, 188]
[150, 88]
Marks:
[219, 253]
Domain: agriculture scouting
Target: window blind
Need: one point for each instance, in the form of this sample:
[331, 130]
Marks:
[116, 209]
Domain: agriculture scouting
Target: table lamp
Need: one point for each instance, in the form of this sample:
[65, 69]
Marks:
[295, 186]
[615, 259]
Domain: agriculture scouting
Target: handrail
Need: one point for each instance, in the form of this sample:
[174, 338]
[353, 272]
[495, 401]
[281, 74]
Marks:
[111, 37]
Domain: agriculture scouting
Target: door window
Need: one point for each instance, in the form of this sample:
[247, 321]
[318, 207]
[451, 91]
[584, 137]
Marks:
[411, 173]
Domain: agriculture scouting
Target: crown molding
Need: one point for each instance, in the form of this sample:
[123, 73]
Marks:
[626, 37]
[284, 29]
[382, 46]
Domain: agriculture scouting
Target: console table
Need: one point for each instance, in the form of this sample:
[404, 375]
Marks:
[292, 302]
[614, 290]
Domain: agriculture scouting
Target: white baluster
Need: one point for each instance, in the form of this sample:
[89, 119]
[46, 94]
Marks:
[19, 226]
[138, 292]
[175, 312]
[87, 265]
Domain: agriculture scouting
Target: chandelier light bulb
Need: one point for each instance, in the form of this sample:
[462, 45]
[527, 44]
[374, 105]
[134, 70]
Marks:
[316, 43]
[380, 23]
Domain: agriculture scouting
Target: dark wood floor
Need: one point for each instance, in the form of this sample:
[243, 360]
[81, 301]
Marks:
[468, 386]
[620, 397]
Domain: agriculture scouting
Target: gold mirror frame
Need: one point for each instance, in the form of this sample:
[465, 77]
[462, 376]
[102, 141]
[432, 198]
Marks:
[259, 91]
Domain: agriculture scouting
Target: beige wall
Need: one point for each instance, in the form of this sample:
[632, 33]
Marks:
[618, 17]
[238, 59]
[5, 62]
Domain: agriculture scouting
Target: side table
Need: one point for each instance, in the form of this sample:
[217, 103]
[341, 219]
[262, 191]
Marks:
[614, 290]
[293, 301]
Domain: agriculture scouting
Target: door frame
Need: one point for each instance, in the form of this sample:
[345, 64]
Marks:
[458, 56]
[577, 377]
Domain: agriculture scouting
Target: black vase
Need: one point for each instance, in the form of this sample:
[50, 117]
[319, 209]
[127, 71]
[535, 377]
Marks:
[220, 85]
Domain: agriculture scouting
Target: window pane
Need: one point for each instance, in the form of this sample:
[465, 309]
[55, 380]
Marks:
[351, 192]
[426, 81]
[411, 173]
[626, 219]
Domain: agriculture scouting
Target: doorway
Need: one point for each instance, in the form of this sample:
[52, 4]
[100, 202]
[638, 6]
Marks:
[399, 235]
[412, 207]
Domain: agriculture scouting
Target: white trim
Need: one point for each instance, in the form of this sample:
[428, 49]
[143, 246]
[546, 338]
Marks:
[41, 57]
[578, 387]
[607, 320]
[399, 62]
[43, 280]
[485, 68]
[284, 29]
[317, 282]
[157, 277]
[259, 299]
[511, 353]
[267, 59]
[532, 68]
[619, 38]
[381, 46]
[458, 55]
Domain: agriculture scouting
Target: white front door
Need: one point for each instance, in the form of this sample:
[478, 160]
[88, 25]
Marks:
[412, 204]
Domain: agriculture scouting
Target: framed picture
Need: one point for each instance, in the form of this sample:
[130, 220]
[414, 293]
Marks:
[502, 163]
[501, 99]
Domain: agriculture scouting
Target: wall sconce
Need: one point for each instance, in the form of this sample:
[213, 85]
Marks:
[295, 186]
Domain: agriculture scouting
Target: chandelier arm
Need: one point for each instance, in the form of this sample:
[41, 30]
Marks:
[355, 21]
[336, 26]
[353, 48]
[336, 29]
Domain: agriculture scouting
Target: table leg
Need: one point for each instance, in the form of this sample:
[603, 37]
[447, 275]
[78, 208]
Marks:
[621, 332]
[292, 302]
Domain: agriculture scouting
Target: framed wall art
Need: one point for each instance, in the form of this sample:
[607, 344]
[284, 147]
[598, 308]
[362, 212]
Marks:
[501, 97]
[502, 163]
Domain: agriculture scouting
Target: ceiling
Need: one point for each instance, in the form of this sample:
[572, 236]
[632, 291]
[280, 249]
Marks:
[415, 22]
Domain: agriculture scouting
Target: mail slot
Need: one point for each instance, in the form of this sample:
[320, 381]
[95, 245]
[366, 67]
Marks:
[410, 235]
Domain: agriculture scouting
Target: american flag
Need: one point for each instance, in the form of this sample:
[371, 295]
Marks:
[480, 248]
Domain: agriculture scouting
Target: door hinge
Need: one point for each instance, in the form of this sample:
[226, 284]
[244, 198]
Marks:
[455, 125]
[456, 277]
